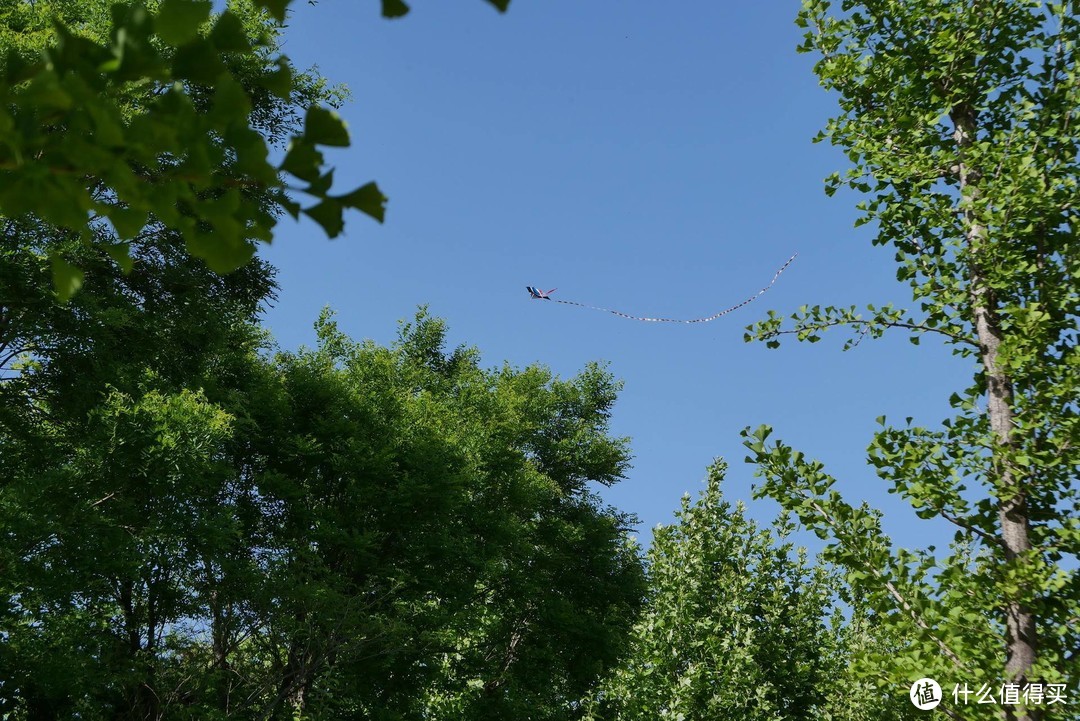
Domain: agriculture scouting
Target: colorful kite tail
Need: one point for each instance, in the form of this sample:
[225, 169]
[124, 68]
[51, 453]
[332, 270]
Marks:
[722, 313]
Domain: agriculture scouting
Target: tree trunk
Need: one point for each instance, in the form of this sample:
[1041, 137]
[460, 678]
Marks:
[1020, 630]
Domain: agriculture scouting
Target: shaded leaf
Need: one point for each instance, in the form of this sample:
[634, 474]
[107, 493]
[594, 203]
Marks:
[228, 34]
[223, 249]
[394, 8]
[251, 154]
[198, 62]
[178, 21]
[120, 252]
[328, 215]
[325, 127]
[67, 279]
[320, 185]
[231, 103]
[367, 199]
[127, 221]
[279, 82]
[276, 8]
[302, 160]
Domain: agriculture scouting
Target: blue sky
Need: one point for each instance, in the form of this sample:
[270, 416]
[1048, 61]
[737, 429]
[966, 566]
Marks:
[650, 157]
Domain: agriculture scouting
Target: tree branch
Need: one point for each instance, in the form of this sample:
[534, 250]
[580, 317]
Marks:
[867, 325]
[989, 537]
[893, 591]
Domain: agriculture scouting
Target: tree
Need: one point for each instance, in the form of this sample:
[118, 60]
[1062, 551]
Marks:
[104, 542]
[154, 291]
[103, 394]
[452, 507]
[195, 529]
[344, 532]
[737, 626]
[958, 118]
[77, 152]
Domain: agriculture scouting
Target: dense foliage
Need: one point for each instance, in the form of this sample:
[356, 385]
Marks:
[193, 525]
[117, 116]
[349, 531]
[740, 626]
[959, 120]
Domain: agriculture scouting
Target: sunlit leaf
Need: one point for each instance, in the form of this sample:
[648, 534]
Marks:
[67, 279]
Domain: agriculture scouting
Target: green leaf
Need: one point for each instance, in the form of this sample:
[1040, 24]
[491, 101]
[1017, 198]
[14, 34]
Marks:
[108, 130]
[62, 201]
[121, 253]
[224, 250]
[46, 93]
[251, 154]
[228, 34]
[17, 69]
[289, 205]
[199, 62]
[302, 160]
[394, 8]
[276, 8]
[325, 127]
[198, 167]
[279, 82]
[328, 215]
[367, 199]
[502, 5]
[320, 185]
[178, 21]
[67, 279]
[128, 222]
[231, 103]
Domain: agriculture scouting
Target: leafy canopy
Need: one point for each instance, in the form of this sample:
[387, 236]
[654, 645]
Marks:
[349, 531]
[740, 626]
[77, 151]
[959, 121]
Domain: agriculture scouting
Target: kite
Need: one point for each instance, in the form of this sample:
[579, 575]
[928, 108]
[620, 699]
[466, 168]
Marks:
[536, 294]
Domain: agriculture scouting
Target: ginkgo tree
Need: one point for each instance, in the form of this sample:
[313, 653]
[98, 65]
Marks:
[739, 625]
[76, 152]
[959, 120]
